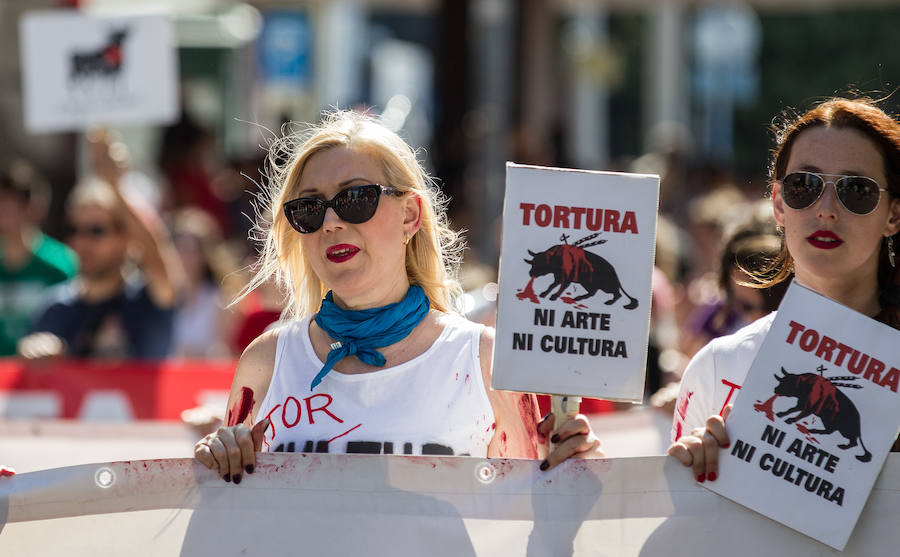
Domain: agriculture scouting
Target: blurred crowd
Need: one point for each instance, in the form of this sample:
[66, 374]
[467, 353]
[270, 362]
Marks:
[156, 268]
[145, 269]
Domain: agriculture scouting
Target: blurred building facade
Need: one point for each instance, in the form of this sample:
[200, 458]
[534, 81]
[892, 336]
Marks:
[645, 85]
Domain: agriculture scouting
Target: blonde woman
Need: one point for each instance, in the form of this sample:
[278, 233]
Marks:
[374, 357]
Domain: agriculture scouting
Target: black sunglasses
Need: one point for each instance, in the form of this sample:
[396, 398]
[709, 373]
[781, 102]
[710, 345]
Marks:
[355, 205]
[858, 194]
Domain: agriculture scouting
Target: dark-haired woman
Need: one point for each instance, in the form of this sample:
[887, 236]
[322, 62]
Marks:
[835, 183]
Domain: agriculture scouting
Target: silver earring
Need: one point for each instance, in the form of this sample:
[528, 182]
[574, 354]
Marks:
[890, 249]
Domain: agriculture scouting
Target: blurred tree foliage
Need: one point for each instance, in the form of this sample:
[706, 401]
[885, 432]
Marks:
[809, 56]
[626, 33]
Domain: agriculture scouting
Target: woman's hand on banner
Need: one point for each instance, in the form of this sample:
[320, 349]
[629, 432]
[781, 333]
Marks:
[573, 439]
[230, 451]
[700, 449]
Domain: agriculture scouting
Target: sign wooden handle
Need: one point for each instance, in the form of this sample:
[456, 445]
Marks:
[564, 407]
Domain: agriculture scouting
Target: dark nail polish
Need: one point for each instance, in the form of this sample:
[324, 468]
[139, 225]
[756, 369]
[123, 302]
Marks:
[237, 479]
[701, 478]
[546, 416]
[726, 445]
[555, 438]
[249, 468]
[712, 476]
[227, 477]
[544, 465]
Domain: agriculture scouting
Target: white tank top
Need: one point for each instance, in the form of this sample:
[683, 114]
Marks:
[434, 404]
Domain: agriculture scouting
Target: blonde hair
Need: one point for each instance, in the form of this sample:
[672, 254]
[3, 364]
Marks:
[433, 254]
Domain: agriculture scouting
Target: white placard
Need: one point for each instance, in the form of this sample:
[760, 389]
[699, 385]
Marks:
[815, 418]
[81, 70]
[575, 271]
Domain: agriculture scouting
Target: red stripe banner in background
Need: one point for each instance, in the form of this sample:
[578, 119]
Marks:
[141, 390]
[130, 389]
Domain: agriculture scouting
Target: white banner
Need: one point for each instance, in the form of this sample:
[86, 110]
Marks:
[81, 70]
[320, 504]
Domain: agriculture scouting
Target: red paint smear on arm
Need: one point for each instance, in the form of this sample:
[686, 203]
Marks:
[241, 408]
[516, 435]
[528, 410]
[503, 450]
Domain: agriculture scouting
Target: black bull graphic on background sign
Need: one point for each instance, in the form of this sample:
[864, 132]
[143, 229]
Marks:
[819, 396]
[105, 61]
[572, 263]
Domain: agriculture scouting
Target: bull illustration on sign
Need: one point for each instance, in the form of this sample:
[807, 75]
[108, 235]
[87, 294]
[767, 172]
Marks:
[105, 61]
[573, 263]
[819, 396]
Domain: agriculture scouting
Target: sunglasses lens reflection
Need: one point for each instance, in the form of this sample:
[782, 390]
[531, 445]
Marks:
[801, 189]
[860, 195]
[355, 205]
[305, 215]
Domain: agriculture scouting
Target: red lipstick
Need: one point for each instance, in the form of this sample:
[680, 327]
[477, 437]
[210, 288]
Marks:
[824, 239]
[339, 253]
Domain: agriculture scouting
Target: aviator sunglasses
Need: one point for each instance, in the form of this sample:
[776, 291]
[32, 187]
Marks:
[355, 205]
[858, 194]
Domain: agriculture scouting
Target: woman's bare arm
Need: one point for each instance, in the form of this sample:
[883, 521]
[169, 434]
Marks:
[522, 433]
[230, 450]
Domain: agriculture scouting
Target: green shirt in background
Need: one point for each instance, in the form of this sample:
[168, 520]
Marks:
[22, 289]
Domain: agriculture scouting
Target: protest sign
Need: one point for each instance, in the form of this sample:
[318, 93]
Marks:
[815, 418]
[573, 309]
[81, 70]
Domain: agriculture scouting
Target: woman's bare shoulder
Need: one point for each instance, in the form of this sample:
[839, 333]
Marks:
[258, 360]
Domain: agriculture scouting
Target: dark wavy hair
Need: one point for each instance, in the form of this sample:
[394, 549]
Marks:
[883, 129]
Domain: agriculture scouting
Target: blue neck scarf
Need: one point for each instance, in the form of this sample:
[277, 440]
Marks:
[361, 332]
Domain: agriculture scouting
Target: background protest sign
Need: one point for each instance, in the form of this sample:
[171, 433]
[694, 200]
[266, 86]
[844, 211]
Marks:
[573, 310]
[322, 504]
[81, 70]
[815, 418]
